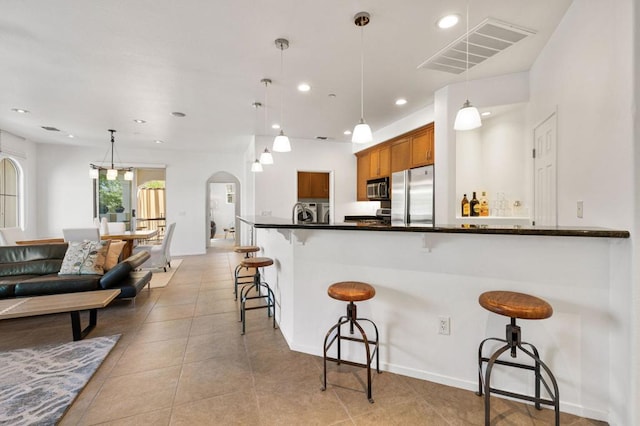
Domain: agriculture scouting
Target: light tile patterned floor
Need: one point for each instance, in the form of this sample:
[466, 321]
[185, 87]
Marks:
[182, 361]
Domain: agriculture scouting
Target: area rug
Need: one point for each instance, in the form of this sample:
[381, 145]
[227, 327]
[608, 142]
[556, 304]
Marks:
[39, 384]
[161, 278]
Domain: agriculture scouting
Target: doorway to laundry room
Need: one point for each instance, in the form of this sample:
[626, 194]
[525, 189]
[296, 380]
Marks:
[314, 188]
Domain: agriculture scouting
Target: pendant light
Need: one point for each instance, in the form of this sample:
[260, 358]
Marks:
[281, 142]
[112, 172]
[266, 157]
[468, 117]
[362, 131]
[256, 167]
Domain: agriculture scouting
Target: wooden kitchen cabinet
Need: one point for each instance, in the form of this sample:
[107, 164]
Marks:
[422, 147]
[401, 155]
[313, 185]
[379, 162]
[363, 175]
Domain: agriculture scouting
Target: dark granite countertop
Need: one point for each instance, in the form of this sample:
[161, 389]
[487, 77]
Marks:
[281, 223]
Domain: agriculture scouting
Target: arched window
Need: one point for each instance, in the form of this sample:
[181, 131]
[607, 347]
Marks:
[8, 194]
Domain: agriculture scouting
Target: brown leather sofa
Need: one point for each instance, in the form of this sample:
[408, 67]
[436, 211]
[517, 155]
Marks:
[32, 270]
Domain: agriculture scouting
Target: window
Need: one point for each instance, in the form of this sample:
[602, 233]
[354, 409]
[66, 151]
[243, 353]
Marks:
[8, 194]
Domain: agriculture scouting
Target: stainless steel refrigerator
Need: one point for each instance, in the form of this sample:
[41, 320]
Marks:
[412, 196]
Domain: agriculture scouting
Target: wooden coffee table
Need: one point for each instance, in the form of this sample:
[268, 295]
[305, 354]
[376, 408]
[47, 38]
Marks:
[57, 303]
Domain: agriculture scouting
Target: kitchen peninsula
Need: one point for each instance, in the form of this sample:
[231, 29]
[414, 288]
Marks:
[423, 273]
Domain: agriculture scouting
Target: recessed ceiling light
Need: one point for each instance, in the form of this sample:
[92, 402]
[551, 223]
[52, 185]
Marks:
[347, 132]
[486, 113]
[275, 126]
[178, 114]
[137, 120]
[448, 21]
[20, 110]
[71, 136]
[158, 141]
[401, 101]
[304, 87]
[332, 95]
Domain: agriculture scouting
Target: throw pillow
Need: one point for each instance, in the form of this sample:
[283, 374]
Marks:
[115, 248]
[85, 257]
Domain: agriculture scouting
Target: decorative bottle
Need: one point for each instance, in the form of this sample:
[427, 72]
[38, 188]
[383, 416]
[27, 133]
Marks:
[474, 205]
[465, 206]
[484, 204]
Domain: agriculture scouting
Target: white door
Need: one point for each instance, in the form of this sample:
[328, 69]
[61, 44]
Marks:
[544, 165]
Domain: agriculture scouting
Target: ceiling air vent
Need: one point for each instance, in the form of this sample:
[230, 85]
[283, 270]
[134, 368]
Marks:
[51, 129]
[486, 39]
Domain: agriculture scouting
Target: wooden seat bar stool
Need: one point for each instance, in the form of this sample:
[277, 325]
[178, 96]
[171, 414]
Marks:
[516, 305]
[246, 250]
[262, 289]
[352, 291]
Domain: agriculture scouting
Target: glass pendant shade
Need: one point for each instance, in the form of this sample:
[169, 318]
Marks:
[94, 173]
[281, 143]
[468, 117]
[362, 133]
[256, 166]
[128, 175]
[266, 157]
[112, 174]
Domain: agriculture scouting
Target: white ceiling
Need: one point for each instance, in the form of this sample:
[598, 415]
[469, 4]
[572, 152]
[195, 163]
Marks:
[88, 66]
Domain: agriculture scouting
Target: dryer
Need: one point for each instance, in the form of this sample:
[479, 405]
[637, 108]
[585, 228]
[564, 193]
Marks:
[323, 213]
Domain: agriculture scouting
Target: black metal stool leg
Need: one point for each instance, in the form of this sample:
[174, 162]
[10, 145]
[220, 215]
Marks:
[334, 335]
[513, 343]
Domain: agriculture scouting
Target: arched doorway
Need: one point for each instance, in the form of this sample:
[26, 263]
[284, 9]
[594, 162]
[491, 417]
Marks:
[223, 206]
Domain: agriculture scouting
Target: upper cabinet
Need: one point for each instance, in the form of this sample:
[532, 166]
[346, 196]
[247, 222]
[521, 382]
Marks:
[379, 162]
[313, 185]
[409, 150]
[363, 175]
[422, 147]
[401, 155]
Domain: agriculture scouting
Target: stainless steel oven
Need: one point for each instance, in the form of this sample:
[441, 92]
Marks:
[378, 189]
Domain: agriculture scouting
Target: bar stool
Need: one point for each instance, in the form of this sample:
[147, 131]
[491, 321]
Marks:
[258, 285]
[246, 250]
[523, 306]
[352, 291]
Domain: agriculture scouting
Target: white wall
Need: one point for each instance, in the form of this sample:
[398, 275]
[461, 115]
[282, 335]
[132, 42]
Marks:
[276, 187]
[64, 190]
[493, 158]
[586, 72]
[496, 91]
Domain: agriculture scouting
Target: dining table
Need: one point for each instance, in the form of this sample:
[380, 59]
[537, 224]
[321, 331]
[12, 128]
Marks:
[129, 237]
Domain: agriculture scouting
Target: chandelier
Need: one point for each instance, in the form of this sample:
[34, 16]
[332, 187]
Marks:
[112, 172]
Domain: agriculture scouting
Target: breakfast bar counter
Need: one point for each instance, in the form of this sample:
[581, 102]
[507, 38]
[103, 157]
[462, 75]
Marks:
[422, 274]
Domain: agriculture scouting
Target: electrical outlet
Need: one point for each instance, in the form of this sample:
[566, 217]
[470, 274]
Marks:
[580, 209]
[444, 325]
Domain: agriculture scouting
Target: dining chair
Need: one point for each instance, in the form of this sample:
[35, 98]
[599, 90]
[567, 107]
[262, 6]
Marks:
[81, 234]
[9, 236]
[160, 254]
[116, 228]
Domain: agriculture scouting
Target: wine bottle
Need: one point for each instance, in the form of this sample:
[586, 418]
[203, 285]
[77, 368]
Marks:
[474, 205]
[465, 206]
[484, 204]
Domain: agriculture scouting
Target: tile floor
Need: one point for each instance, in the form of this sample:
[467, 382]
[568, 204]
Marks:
[182, 361]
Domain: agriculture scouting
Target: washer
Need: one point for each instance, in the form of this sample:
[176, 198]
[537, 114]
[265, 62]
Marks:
[323, 213]
[309, 213]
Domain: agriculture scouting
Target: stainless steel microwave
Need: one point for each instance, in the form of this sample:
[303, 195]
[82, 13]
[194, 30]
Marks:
[378, 189]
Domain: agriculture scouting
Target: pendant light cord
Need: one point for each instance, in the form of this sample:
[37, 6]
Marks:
[282, 86]
[361, 73]
[466, 72]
